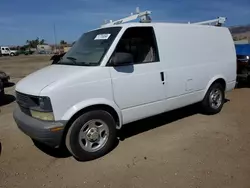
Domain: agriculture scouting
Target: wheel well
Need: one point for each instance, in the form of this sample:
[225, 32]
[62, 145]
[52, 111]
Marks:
[87, 109]
[221, 81]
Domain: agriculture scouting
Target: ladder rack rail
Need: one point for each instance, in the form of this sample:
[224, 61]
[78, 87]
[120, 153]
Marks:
[143, 15]
[144, 18]
[218, 22]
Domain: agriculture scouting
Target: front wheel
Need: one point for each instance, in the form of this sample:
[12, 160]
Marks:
[92, 135]
[1, 92]
[214, 99]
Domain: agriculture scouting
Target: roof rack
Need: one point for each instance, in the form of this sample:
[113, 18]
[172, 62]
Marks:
[217, 22]
[144, 18]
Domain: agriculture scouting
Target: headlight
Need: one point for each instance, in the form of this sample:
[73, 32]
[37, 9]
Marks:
[45, 104]
[46, 116]
[43, 110]
[247, 57]
[41, 102]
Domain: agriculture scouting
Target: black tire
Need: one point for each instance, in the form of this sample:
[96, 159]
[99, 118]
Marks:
[12, 54]
[206, 104]
[72, 137]
[2, 93]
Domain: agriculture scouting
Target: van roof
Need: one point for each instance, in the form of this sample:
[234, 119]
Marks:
[154, 24]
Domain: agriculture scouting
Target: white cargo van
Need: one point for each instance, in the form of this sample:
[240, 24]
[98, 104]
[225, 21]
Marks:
[121, 73]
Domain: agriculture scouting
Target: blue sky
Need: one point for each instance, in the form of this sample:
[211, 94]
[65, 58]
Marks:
[27, 19]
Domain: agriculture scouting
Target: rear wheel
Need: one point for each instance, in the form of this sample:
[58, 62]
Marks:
[214, 99]
[12, 54]
[92, 135]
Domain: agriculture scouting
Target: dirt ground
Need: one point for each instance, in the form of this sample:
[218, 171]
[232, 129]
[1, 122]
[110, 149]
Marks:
[177, 149]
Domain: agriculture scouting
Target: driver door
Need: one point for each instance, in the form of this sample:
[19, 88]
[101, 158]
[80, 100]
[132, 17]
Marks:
[138, 88]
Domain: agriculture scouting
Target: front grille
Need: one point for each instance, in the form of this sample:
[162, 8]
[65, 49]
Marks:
[25, 110]
[27, 101]
[22, 97]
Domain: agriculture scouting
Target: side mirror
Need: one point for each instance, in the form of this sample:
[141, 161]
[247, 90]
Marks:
[121, 59]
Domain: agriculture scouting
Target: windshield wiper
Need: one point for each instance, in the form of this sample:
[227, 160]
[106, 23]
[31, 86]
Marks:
[81, 63]
[89, 64]
[72, 59]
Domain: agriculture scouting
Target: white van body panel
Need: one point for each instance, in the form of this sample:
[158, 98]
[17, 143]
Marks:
[34, 83]
[132, 85]
[92, 102]
[74, 91]
[70, 88]
[138, 90]
[192, 57]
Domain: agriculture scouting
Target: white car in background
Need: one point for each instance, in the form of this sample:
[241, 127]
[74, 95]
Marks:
[5, 51]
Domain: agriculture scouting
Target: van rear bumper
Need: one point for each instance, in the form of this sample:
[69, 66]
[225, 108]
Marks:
[39, 130]
[230, 86]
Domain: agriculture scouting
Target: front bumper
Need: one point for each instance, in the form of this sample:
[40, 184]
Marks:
[39, 130]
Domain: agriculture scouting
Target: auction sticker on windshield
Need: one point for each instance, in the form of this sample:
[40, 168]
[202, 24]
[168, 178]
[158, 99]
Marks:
[102, 37]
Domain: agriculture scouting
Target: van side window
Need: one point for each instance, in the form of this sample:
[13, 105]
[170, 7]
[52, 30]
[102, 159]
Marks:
[141, 43]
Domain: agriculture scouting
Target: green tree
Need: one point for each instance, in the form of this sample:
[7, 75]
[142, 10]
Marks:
[63, 42]
[41, 42]
[34, 43]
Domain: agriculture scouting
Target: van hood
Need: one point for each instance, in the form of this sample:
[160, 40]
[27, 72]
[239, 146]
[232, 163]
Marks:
[34, 83]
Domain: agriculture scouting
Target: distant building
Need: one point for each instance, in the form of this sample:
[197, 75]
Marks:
[243, 41]
[44, 47]
[66, 49]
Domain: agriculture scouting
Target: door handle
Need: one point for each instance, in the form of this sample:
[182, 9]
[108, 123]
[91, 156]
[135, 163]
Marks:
[162, 77]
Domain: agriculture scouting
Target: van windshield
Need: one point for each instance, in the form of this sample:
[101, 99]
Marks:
[90, 48]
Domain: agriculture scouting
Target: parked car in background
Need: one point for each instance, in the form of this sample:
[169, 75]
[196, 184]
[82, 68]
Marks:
[25, 52]
[243, 62]
[1, 92]
[5, 51]
[44, 52]
[4, 78]
[14, 53]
